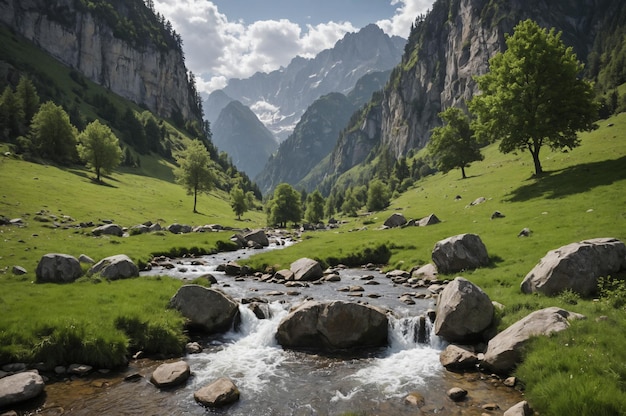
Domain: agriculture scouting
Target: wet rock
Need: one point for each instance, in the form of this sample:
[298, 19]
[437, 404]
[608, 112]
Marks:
[458, 358]
[20, 387]
[464, 312]
[58, 268]
[79, 369]
[510, 381]
[457, 394]
[504, 351]
[170, 374]
[331, 326]
[332, 278]
[576, 267]
[208, 309]
[193, 348]
[115, 267]
[261, 310]
[108, 229]
[14, 367]
[307, 269]
[460, 252]
[217, 394]
[415, 399]
[258, 237]
[520, 409]
[209, 277]
[232, 268]
[284, 274]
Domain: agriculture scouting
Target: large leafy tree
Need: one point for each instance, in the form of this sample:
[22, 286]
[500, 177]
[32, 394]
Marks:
[27, 95]
[533, 95]
[53, 136]
[284, 206]
[194, 170]
[377, 195]
[314, 207]
[100, 148]
[453, 145]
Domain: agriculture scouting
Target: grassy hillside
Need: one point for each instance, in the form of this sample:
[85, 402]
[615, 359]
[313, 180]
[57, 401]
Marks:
[581, 371]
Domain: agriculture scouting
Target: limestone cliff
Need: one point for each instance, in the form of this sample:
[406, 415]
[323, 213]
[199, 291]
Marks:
[82, 38]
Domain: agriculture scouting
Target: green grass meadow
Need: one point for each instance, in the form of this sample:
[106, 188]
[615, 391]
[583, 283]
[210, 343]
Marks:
[579, 371]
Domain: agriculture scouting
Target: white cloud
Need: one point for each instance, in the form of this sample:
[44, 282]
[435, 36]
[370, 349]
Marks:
[217, 49]
[408, 10]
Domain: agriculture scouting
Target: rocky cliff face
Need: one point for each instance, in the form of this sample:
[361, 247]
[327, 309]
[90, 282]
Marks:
[280, 98]
[152, 76]
[454, 43]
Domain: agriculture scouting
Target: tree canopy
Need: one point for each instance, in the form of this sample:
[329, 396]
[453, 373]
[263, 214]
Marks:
[238, 201]
[100, 148]
[53, 136]
[314, 212]
[377, 196]
[194, 171]
[453, 145]
[284, 206]
[533, 96]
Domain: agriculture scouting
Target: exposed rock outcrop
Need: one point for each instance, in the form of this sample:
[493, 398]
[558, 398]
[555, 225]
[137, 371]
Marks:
[395, 220]
[306, 269]
[464, 312]
[20, 387]
[115, 267]
[208, 309]
[332, 326]
[58, 268]
[576, 267]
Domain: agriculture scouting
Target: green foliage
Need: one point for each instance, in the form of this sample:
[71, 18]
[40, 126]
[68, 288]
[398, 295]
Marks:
[194, 171]
[52, 134]
[314, 207]
[454, 145]
[377, 196]
[350, 204]
[613, 292]
[26, 94]
[533, 96]
[99, 147]
[284, 206]
[238, 201]
[150, 337]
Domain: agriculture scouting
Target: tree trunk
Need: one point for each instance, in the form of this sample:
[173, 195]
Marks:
[463, 172]
[195, 199]
[537, 162]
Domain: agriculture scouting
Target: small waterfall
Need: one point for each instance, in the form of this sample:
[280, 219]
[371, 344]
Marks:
[412, 332]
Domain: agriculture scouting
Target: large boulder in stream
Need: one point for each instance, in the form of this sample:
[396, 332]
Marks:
[20, 387]
[306, 269]
[220, 393]
[460, 252]
[208, 309]
[576, 267]
[333, 326]
[464, 312]
[504, 351]
[170, 374]
[58, 268]
[257, 237]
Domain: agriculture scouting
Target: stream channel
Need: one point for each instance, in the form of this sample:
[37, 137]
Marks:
[273, 381]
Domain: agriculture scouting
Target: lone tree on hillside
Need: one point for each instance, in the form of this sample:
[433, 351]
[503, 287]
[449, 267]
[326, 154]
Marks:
[238, 201]
[453, 145]
[377, 195]
[100, 148]
[194, 171]
[53, 135]
[533, 95]
[284, 206]
[314, 212]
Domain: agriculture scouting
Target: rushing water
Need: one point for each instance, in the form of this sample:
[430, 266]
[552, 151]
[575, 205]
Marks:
[274, 381]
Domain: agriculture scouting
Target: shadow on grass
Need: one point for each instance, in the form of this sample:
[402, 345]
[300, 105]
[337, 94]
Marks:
[572, 180]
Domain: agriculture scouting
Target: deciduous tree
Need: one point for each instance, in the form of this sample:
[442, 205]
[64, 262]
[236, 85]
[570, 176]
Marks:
[314, 207]
[377, 195]
[194, 171]
[238, 201]
[533, 95]
[453, 145]
[284, 206]
[52, 135]
[100, 148]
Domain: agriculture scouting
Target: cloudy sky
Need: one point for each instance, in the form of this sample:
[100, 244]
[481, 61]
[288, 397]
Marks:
[226, 39]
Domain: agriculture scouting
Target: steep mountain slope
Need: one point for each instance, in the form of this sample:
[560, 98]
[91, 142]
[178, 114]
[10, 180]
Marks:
[280, 98]
[446, 49]
[214, 105]
[313, 138]
[238, 132]
[121, 45]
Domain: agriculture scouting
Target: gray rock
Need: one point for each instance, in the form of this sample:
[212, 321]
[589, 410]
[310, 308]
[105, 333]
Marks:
[477, 201]
[284, 274]
[83, 258]
[208, 309]
[457, 358]
[170, 374]
[457, 394]
[217, 394]
[108, 229]
[115, 267]
[20, 387]
[58, 268]
[576, 267]
[179, 228]
[331, 326]
[139, 229]
[460, 252]
[306, 269]
[426, 272]
[396, 220]
[18, 270]
[430, 220]
[520, 409]
[258, 237]
[464, 312]
[193, 348]
[79, 369]
[504, 351]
